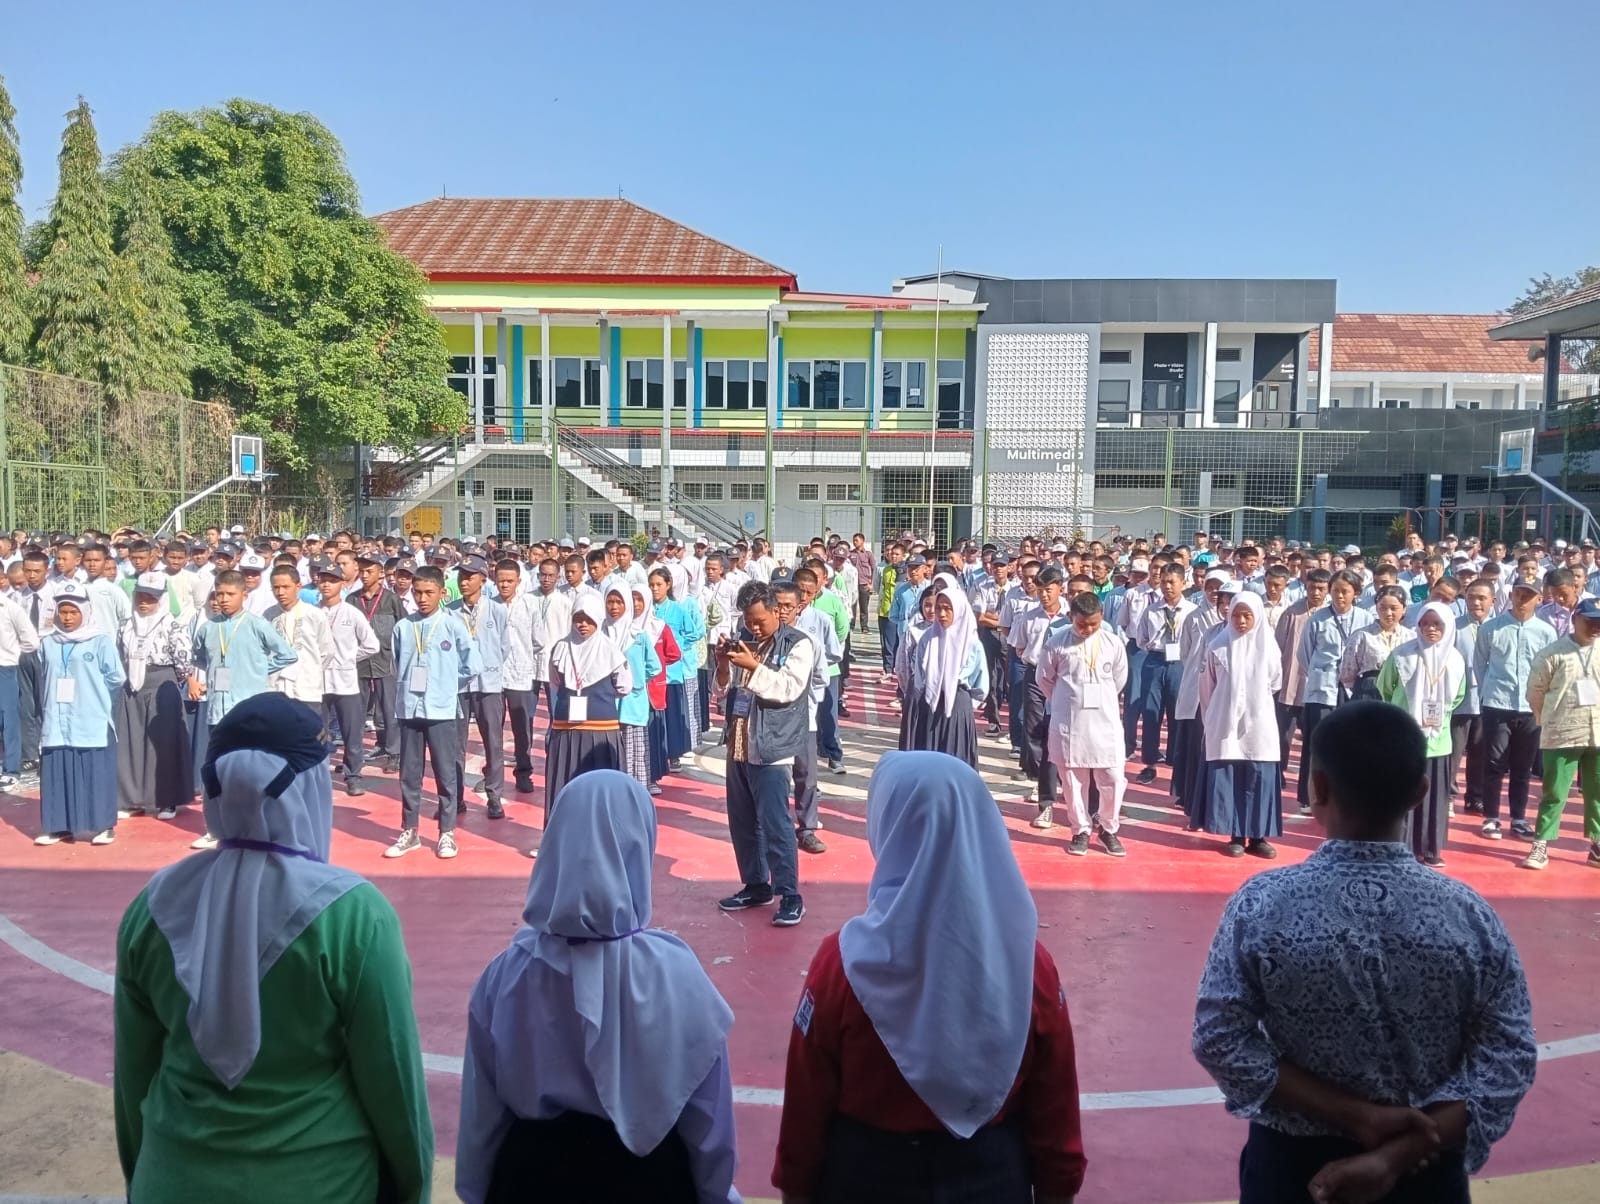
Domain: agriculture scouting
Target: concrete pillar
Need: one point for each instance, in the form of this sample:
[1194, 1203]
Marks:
[1552, 373]
[875, 377]
[605, 372]
[1325, 366]
[1319, 509]
[1522, 395]
[1375, 393]
[1208, 375]
[477, 377]
[546, 384]
[1447, 396]
[1432, 518]
[666, 410]
[502, 358]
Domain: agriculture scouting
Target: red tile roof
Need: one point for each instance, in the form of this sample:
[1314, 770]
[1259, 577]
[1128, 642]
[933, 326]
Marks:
[1421, 343]
[547, 240]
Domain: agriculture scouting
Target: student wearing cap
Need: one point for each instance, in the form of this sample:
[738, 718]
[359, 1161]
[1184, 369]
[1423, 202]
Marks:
[78, 769]
[350, 641]
[1502, 662]
[258, 598]
[153, 750]
[19, 641]
[1564, 694]
[482, 699]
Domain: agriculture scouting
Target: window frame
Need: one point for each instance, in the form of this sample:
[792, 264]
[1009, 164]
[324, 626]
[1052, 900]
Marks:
[1126, 402]
[1217, 403]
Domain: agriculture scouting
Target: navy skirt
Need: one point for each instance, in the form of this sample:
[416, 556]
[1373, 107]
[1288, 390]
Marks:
[78, 789]
[1188, 765]
[1242, 799]
[678, 739]
[929, 729]
[570, 751]
[656, 739]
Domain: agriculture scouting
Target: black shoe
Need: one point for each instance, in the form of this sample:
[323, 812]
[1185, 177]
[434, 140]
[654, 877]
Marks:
[1110, 843]
[524, 783]
[1260, 848]
[1146, 775]
[750, 896]
[808, 842]
[1234, 848]
[844, 711]
[1522, 829]
[30, 767]
[1474, 808]
[1079, 846]
[496, 808]
[791, 910]
[354, 788]
[992, 731]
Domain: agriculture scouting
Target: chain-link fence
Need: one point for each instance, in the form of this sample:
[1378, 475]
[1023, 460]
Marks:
[71, 458]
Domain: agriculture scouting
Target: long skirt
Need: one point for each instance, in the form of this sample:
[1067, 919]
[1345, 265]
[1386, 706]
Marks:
[571, 751]
[1189, 765]
[198, 716]
[636, 749]
[78, 789]
[929, 729]
[154, 756]
[866, 1165]
[1366, 689]
[680, 730]
[656, 740]
[1243, 799]
[1428, 825]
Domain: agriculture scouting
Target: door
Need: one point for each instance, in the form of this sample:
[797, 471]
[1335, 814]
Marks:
[514, 523]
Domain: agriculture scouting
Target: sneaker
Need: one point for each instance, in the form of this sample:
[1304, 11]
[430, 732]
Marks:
[654, 789]
[687, 761]
[30, 767]
[524, 783]
[129, 812]
[7, 781]
[1490, 829]
[1079, 846]
[1234, 848]
[1538, 856]
[791, 910]
[1018, 775]
[1044, 820]
[808, 843]
[403, 844]
[1110, 843]
[1305, 808]
[750, 896]
[46, 838]
[1474, 808]
[204, 841]
[354, 788]
[1433, 863]
[674, 764]
[105, 837]
[1146, 775]
[1522, 829]
[1260, 848]
[836, 765]
[844, 711]
[28, 779]
[446, 848]
[167, 813]
[497, 809]
[1594, 854]
[992, 731]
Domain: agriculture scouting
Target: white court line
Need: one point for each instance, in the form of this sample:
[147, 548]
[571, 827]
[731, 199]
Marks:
[86, 975]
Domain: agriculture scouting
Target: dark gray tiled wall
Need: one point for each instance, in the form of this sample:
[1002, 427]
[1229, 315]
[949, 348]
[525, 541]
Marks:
[1023, 301]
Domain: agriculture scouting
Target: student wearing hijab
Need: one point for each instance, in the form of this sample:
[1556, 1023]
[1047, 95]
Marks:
[266, 1050]
[590, 676]
[1427, 676]
[949, 677]
[688, 625]
[891, 1091]
[597, 1060]
[1243, 795]
[1188, 741]
[623, 627]
[78, 768]
[665, 646]
[153, 750]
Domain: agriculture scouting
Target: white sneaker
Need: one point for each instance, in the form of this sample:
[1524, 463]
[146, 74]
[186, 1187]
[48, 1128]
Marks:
[7, 781]
[129, 812]
[45, 838]
[167, 813]
[447, 847]
[105, 837]
[404, 843]
[204, 841]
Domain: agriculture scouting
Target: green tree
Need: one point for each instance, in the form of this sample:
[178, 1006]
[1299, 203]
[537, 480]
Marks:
[1545, 289]
[300, 316]
[148, 290]
[15, 326]
[77, 332]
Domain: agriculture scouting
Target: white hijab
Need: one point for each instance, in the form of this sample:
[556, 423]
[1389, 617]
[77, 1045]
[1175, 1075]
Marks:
[646, 621]
[229, 914]
[1431, 672]
[86, 630]
[948, 935]
[619, 631]
[943, 652]
[1240, 720]
[653, 1025]
[583, 662]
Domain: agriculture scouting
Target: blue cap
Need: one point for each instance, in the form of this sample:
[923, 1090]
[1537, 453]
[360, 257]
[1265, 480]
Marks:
[474, 564]
[1589, 608]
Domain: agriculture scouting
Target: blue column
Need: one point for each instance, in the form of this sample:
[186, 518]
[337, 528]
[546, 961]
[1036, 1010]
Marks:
[1433, 513]
[1319, 509]
[518, 369]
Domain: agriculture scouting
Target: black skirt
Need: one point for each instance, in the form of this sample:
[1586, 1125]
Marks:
[570, 751]
[1366, 688]
[1428, 824]
[579, 1159]
[865, 1165]
[928, 729]
[154, 754]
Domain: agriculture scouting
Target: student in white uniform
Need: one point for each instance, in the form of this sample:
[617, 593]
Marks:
[305, 629]
[351, 639]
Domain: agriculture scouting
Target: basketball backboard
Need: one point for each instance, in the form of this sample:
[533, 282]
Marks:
[248, 464]
[1516, 451]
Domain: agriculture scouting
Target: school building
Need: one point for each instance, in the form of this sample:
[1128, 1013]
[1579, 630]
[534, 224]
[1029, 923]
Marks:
[626, 372]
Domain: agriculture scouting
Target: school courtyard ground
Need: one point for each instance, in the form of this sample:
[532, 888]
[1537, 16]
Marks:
[1129, 937]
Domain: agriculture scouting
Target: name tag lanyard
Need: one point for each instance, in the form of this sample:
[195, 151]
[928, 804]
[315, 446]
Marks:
[67, 687]
[1588, 689]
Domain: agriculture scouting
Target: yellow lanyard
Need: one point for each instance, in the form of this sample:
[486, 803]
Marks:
[1091, 653]
[223, 632]
[470, 615]
[425, 638]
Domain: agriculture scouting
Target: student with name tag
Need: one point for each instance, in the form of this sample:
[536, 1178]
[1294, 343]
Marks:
[482, 702]
[1163, 665]
[590, 676]
[78, 772]
[1564, 692]
[434, 658]
[351, 641]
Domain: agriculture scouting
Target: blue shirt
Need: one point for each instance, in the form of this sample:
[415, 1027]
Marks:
[1503, 656]
[907, 597]
[644, 664]
[1375, 973]
[249, 648]
[486, 624]
[441, 645]
[688, 624]
[1322, 649]
[95, 670]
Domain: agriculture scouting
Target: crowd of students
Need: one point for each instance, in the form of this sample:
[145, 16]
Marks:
[1368, 1016]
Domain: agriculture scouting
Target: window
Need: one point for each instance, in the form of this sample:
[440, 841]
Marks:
[1162, 395]
[952, 393]
[747, 491]
[905, 384]
[517, 494]
[460, 379]
[576, 382]
[855, 385]
[758, 384]
[1229, 355]
[602, 522]
[1113, 403]
[1129, 480]
[1391, 403]
[680, 384]
[800, 391]
[1115, 357]
[808, 493]
[825, 384]
[1469, 405]
[716, 385]
[736, 384]
[461, 487]
[643, 391]
[844, 493]
[1225, 408]
[703, 491]
[1266, 397]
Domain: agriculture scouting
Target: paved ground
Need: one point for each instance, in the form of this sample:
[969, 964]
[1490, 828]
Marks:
[1129, 937]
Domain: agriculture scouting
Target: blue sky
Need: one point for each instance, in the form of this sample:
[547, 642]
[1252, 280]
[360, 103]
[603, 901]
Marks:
[1398, 146]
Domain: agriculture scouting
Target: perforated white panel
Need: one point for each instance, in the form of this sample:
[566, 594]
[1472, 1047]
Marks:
[1036, 393]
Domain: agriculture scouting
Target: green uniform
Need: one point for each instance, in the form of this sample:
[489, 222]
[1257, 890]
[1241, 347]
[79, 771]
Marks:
[828, 603]
[1393, 690]
[337, 1084]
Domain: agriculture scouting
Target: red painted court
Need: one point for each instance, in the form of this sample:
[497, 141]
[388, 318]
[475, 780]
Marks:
[1129, 937]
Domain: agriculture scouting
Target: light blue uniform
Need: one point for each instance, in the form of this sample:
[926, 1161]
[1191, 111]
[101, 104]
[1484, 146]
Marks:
[95, 670]
[486, 627]
[237, 656]
[441, 646]
[634, 710]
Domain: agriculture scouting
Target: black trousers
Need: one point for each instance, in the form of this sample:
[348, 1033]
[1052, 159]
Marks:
[487, 710]
[1036, 761]
[994, 653]
[440, 740]
[1466, 743]
[1511, 740]
[30, 703]
[1275, 1168]
[1311, 714]
[520, 705]
[380, 705]
[350, 712]
[1288, 718]
[865, 1165]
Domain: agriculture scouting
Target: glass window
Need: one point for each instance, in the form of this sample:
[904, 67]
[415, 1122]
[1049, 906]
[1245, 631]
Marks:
[1113, 401]
[1228, 355]
[602, 523]
[747, 491]
[1225, 407]
[799, 385]
[535, 381]
[1116, 357]
[633, 397]
[591, 383]
[825, 385]
[738, 384]
[680, 384]
[652, 384]
[855, 385]
[1161, 395]
[892, 373]
[916, 385]
[844, 493]
[758, 384]
[712, 491]
[808, 493]
[715, 375]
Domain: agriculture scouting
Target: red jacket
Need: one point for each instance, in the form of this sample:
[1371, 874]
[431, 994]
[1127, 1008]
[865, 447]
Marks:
[667, 652]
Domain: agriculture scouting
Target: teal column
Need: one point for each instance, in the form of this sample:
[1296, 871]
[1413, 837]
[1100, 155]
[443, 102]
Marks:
[518, 371]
